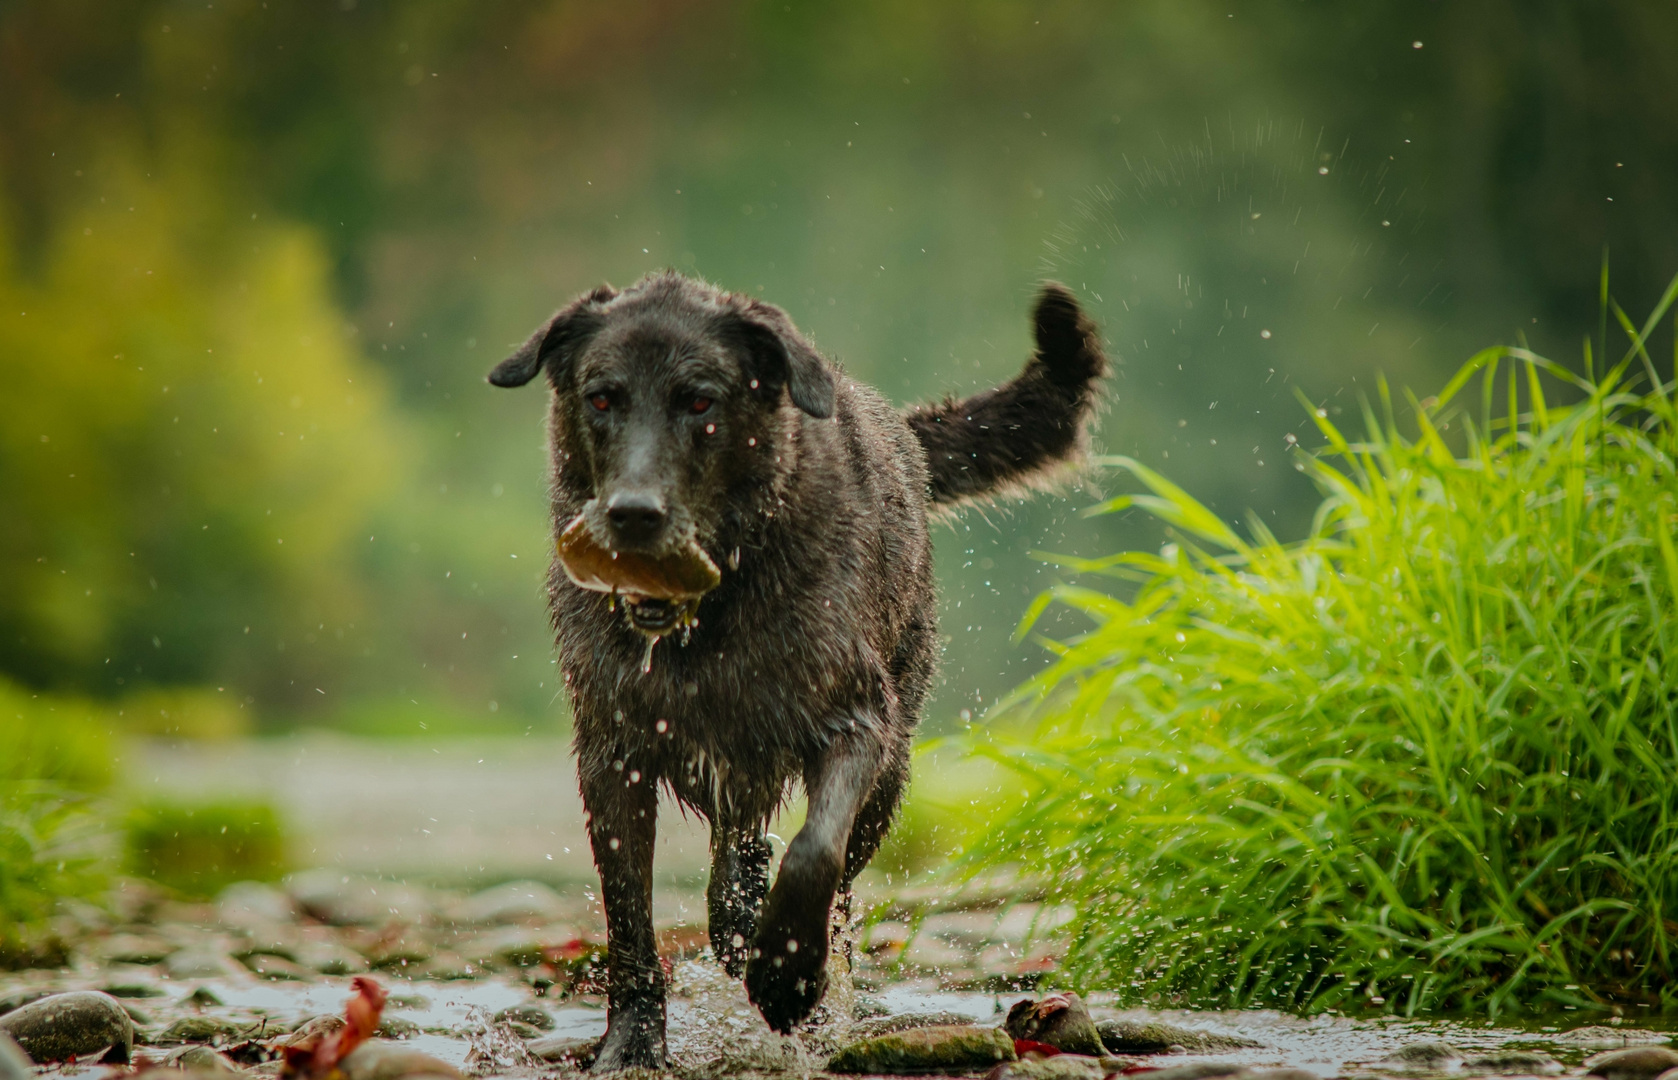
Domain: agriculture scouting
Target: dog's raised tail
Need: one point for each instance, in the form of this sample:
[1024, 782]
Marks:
[1021, 434]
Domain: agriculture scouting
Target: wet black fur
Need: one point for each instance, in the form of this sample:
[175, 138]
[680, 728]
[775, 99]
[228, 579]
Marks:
[812, 658]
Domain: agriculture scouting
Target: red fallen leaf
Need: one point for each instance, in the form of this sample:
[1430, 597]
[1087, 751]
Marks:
[1023, 1047]
[319, 1059]
[575, 949]
[1132, 1070]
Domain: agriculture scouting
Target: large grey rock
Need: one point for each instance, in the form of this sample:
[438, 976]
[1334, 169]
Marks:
[14, 1063]
[1637, 1063]
[1124, 1036]
[63, 1026]
[928, 1049]
[379, 1060]
[1058, 1020]
[513, 902]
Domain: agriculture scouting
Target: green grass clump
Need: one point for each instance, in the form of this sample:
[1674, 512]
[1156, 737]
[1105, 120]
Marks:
[199, 848]
[1425, 759]
[55, 759]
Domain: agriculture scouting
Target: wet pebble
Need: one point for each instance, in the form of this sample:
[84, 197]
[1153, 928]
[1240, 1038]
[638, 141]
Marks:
[346, 900]
[14, 1063]
[134, 990]
[1513, 1063]
[397, 1027]
[132, 949]
[201, 964]
[1430, 1056]
[379, 1060]
[330, 958]
[202, 1029]
[1600, 1037]
[513, 902]
[269, 966]
[1637, 1063]
[202, 1059]
[883, 1024]
[403, 950]
[564, 1048]
[1122, 1036]
[533, 1015]
[246, 904]
[62, 1026]
[927, 1049]
[311, 1030]
[1059, 1020]
[1199, 1070]
[1059, 1067]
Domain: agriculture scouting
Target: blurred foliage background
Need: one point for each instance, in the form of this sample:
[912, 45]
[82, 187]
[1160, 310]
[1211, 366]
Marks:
[255, 259]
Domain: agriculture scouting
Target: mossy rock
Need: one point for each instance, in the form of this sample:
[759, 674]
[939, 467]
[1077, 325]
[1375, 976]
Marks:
[941, 1048]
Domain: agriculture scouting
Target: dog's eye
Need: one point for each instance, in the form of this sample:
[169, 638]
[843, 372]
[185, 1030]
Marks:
[600, 402]
[699, 405]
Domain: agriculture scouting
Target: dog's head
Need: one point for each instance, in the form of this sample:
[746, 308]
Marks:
[672, 405]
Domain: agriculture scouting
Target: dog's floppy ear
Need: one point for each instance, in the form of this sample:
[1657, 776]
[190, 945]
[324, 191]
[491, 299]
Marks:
[782, 354]
[556, 340]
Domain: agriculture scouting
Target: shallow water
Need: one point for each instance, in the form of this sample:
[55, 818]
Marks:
[714, 1029]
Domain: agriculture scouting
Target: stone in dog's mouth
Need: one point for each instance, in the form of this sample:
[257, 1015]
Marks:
[660, 592]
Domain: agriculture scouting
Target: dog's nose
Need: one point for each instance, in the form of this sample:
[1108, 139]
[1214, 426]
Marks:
[636, 517]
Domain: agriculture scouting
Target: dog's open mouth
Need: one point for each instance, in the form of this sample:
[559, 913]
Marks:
[654, 616]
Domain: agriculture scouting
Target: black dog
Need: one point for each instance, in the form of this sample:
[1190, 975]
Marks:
[684, 415]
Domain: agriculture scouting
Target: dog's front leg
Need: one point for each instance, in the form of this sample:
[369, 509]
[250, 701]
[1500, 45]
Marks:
[787, 973]
[622, 806]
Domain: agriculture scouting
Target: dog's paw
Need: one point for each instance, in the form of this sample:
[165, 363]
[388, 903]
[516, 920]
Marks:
[631, 1042]
[787, 974]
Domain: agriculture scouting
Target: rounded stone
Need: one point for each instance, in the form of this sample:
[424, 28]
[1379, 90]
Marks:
[534, 1015]
[203, 1059]
[1637, 1063]
[63, 1026]
[926, 1049]
[378, 1060]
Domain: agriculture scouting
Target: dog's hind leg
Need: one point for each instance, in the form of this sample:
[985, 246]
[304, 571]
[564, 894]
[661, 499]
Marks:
[739, 878]
[786, 974]
[622, 807]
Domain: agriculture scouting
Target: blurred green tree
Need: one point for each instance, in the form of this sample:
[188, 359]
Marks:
[193, 445]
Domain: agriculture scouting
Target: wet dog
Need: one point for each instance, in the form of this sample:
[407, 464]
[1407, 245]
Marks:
[698, 438]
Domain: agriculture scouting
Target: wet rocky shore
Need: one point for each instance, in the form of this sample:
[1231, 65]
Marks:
[506, 982]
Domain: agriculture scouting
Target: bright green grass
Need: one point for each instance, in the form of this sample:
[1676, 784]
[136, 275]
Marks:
[1425, 759]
